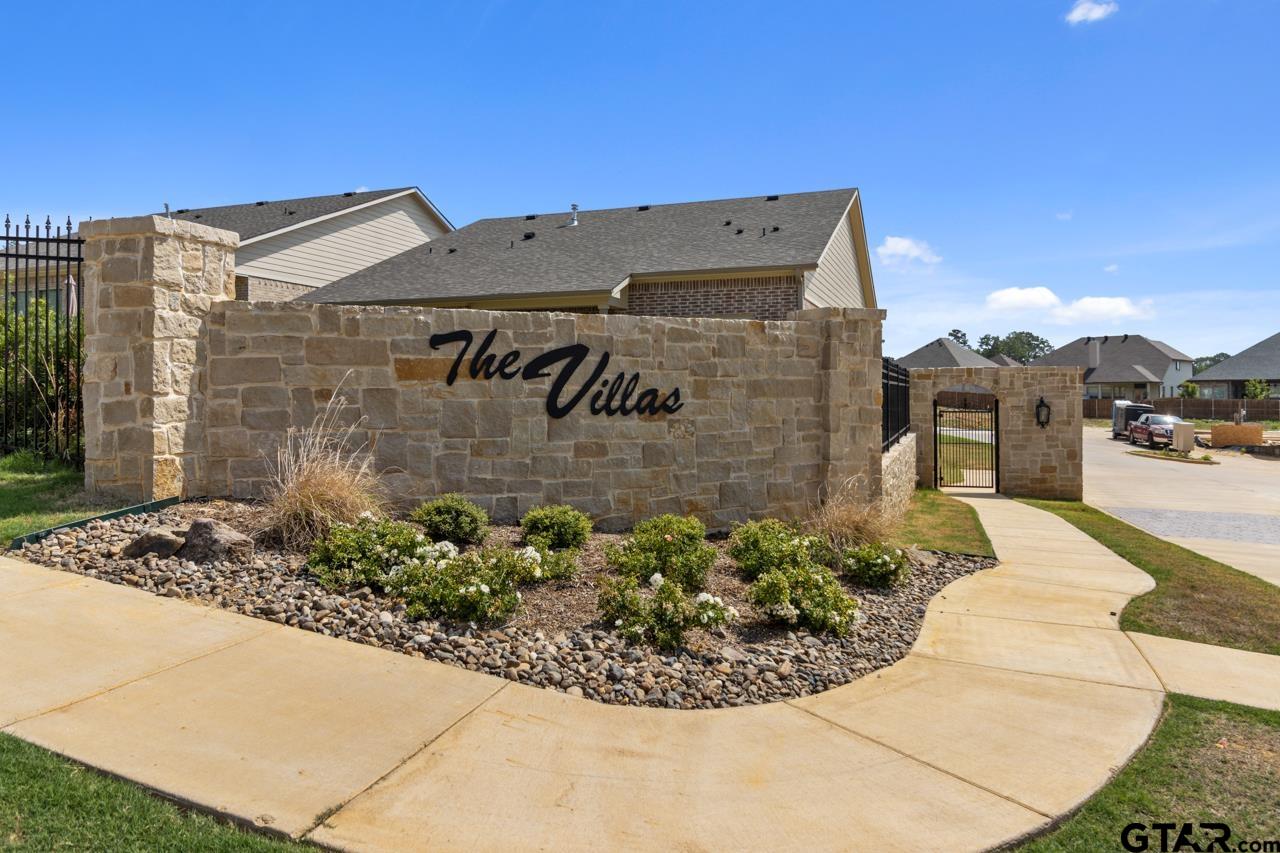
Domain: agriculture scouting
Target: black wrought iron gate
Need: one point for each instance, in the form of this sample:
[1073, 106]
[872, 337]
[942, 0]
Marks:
[41, 341]
[966, 445]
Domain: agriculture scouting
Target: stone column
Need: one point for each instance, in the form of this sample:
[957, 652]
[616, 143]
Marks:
[149, 281]
[849, 366]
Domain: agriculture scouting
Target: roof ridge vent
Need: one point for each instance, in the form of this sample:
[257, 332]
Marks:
[771, 198]
[348, 194]
[530, 216]
[643, 207]
[259, 203]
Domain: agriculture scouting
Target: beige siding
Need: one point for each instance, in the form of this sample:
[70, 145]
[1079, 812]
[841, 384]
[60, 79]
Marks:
[325, 251]
[836, 283]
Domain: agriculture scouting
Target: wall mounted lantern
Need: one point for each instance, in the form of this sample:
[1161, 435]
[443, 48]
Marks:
[1042, 413]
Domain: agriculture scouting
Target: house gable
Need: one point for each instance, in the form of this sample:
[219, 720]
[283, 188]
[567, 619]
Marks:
[842, 278]
[325, 249]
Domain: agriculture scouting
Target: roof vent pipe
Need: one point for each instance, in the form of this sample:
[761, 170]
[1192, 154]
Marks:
[574, 220]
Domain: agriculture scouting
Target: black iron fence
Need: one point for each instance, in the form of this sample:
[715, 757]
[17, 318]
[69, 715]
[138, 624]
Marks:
[895, 381]
[41, 341]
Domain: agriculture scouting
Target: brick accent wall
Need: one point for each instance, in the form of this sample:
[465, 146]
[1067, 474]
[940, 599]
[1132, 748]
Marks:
[765, 298]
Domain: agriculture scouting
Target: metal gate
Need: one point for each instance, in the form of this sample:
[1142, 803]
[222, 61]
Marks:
[41, 341]
[966, 445]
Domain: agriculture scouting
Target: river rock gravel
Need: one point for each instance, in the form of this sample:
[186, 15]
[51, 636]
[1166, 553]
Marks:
[722, 670]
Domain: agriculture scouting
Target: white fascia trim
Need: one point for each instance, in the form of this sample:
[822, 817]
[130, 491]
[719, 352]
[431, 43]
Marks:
[295, 226]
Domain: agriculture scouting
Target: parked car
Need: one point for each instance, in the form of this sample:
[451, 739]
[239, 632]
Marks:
[1124, 413]
[1152, 429]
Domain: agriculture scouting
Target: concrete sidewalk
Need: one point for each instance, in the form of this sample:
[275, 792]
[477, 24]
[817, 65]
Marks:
[1020, 699]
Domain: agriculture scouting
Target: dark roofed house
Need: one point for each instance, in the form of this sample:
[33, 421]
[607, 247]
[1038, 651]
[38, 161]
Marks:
[1123, 367]
[759, 257]
[1002, 360]
[294, 246]
[1225, 380]
[945, 352]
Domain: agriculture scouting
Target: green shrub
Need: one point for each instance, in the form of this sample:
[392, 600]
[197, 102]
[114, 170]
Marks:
[452, 518]
[808, 596]
[372, 552]
[759, 546]
[670, 546]
[661, 617]
[876, 565]
[534, 565]
[478, 586]
[553, 528]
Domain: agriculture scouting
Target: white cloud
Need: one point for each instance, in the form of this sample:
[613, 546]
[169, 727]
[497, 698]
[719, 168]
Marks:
[1065, 215]
[362, 189]
[1111, 268]
[903, 250]
[1086, 309]
[1090, 11]
[1010, 300]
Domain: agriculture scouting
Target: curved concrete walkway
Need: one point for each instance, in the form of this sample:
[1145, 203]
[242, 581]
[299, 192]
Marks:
[1020, 699]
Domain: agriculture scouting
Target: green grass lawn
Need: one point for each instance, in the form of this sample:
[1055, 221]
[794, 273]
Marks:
[35, 494]
[1205, 423]
[1206, 762]
[1195, 598]
[939, 522]
[49, 803]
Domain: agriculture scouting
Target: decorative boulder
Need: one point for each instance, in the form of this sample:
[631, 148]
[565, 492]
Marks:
[161, 541]
[209, 541]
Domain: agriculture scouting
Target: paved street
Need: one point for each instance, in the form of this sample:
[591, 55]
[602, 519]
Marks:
[1230, 512]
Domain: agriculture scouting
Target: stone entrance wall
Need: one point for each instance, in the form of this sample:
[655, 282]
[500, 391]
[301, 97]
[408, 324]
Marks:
[1034, 462]
[771, 415]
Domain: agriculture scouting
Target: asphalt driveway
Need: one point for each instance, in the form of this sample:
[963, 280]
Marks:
[1230, 512]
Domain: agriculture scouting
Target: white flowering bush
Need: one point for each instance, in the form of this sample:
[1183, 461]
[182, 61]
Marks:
[372, 552]
[670, 545]
[805, 595]
[876, 564]
[661, 615]
[478, 586]
[759, 546]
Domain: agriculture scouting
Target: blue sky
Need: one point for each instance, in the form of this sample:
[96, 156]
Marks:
[1025, 164]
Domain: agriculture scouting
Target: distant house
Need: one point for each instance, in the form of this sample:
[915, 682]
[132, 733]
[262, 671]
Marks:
[1002, 360]
[291, 247]
[1225, 380]
[944, 352]
[1124, 367]
[760, 257]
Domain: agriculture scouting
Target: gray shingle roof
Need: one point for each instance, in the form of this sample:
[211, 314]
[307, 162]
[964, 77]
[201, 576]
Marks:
[1260, 361]
[495, 257]
[263, 217]
[1121, 358]
[944, 352]
[1002, 360]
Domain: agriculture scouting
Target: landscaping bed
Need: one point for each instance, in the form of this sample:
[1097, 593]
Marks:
[555, 639]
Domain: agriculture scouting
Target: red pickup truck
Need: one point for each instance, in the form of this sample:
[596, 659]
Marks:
[1153, 429]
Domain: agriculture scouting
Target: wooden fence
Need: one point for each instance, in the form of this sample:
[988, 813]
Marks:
[1221, 410]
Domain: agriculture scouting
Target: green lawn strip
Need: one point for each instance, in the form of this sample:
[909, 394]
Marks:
[35, 494]
[1195, 598]
[1206, 762]
[939, 522]
[50, 803]
[1206, 423]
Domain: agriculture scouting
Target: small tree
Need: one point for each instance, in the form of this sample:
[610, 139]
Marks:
[1256, 389]
[959, 336]
[1188, 390]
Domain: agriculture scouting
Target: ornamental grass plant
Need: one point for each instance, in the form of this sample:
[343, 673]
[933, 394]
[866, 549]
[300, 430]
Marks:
[321, 477]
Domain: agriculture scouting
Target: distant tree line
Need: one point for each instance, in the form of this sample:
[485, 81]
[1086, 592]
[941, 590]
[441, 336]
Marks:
[1022, 347]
